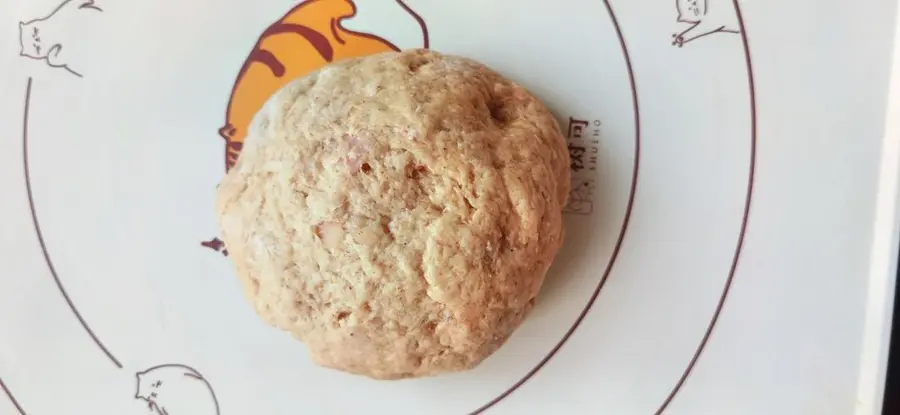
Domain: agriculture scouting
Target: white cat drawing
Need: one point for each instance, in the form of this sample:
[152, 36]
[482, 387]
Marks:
[176, 390]
[47, 38]
[705, 17]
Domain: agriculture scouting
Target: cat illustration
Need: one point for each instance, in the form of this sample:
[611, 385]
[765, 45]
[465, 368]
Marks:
[43, 38]
[705, 17]
[309, 36]
[176, 390]
[403, 32]
[215, 244]
[580, 197]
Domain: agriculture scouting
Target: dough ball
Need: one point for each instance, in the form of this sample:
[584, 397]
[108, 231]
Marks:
[397, 213]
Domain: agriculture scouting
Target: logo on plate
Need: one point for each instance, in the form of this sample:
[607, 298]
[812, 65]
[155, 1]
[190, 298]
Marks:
[581, 197]
[583, 137]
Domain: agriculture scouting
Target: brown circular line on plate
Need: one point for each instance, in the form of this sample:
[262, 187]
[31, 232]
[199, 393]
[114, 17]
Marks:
[11, 398]
[37, 230]
[622, 231]
[746, 218]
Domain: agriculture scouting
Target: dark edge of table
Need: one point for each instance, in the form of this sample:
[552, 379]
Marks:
[892, 383]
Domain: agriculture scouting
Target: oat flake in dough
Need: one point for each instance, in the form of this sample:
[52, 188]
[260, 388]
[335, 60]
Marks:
[398, 212]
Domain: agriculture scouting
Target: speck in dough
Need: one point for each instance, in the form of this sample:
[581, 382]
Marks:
[397, 213]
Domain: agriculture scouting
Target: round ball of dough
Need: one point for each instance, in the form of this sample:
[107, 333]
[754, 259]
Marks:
[397, 213]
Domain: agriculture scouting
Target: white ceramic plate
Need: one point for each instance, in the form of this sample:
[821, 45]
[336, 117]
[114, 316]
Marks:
[730, 241]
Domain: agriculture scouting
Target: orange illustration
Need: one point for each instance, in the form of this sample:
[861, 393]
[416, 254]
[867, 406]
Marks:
[308, 37]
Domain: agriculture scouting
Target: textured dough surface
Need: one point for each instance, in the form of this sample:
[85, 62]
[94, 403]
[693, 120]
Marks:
[397, 213]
